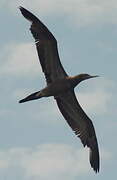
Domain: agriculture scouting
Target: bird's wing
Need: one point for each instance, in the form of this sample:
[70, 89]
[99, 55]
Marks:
[80, 124]
[46, 45]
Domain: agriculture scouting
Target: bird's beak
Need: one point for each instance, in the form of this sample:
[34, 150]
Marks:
[94, 76]
[91, 77]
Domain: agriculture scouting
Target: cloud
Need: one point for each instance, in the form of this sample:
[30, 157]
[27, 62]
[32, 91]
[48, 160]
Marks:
[56, 161]
[82, 12]
[106, 155]
[20, 60]
[4, 163]
[97, 97]
[49, 161]
[95, 101]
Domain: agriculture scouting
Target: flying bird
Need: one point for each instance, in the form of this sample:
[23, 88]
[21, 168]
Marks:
[61, 87]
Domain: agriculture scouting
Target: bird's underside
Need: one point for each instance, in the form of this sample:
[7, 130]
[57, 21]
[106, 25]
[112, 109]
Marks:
[61, 86]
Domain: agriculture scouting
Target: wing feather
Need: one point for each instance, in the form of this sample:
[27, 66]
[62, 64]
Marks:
[80, 124]
[47, 49]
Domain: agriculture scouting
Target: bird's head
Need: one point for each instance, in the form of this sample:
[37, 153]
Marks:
[81, 77]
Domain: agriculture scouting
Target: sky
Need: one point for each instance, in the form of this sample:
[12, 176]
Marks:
[36, 143]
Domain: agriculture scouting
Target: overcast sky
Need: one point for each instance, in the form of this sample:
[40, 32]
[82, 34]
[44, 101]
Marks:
[35, 141]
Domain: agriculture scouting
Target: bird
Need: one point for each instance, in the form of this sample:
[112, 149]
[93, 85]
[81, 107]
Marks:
[61, 86]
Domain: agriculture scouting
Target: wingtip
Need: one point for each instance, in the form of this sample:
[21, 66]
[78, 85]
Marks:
[21, 8]
[94, 160]
[96, 169]
[28, 15]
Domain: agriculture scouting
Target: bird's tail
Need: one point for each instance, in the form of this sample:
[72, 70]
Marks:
[31, 97]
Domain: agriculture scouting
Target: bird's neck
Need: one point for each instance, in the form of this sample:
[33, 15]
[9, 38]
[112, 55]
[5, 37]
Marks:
[75, 80]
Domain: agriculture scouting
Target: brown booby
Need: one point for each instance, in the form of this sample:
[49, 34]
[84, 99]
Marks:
[61, 87]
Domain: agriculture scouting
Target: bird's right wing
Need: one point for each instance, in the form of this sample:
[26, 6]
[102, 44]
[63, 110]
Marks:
[80, 124]
[47, 49]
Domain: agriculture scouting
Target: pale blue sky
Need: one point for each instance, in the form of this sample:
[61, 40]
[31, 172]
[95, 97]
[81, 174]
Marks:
[35, 141]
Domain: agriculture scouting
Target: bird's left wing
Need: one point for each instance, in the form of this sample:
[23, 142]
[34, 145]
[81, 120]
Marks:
[80, 124]
[47, 49]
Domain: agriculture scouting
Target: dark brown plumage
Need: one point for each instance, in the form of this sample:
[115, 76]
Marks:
[61, 86]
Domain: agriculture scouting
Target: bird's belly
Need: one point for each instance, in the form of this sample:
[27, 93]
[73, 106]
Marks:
[56, 88]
